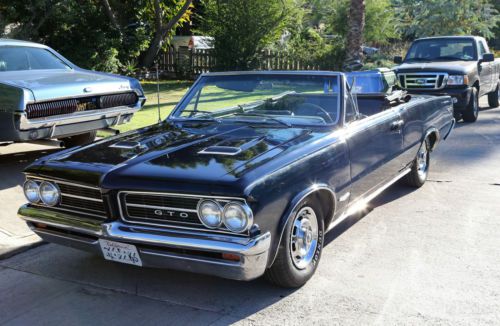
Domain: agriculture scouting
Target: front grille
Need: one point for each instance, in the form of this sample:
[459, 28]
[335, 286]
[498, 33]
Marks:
[52, 108]
[84, 200]
[161, 209]
[423, 81]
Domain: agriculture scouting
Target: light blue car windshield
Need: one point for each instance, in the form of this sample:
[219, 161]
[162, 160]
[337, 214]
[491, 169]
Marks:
[19, 58]
[289, 99]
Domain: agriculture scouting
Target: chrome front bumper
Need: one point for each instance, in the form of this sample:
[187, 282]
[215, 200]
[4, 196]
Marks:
[198, 252]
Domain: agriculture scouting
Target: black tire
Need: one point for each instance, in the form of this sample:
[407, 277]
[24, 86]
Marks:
[472, 111]
[79, 140]
[284, 272]
[418, 174]
[493, 98]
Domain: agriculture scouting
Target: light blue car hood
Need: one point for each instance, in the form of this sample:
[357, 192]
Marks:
[52, 84]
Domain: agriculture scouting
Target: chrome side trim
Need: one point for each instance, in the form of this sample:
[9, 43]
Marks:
[208, 151]
[359, 204]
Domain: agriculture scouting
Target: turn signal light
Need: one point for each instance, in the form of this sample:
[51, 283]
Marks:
[232, 257]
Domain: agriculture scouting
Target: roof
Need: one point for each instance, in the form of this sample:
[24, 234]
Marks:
[12, 42]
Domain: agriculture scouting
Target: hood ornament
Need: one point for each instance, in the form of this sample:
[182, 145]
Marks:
[87, 89]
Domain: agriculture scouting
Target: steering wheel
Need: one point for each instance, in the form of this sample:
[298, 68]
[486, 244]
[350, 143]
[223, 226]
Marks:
[308, 108]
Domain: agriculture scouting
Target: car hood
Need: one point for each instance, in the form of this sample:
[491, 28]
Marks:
[168, 153]
[451, 67]
[51, 84]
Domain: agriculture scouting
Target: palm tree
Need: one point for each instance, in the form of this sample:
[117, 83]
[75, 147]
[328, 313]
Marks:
[356, 28]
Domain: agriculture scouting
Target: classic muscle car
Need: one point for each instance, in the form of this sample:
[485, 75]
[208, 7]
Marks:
[460, 66]
[243, 179]
[44, 96]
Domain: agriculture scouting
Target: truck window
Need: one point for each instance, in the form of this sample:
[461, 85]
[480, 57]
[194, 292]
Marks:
[442, 49]
[482, 50]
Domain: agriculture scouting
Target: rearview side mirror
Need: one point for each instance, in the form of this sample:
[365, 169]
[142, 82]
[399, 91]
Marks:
[488, 57]
[398, 59]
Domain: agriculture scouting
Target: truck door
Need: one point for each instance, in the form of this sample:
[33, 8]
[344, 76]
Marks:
[485, 70]
[375, 146]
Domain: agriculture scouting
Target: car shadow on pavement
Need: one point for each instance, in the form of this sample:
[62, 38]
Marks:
[13, 164]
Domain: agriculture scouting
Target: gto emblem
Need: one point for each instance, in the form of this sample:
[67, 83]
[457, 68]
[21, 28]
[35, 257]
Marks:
[159, 212]
[87, 89]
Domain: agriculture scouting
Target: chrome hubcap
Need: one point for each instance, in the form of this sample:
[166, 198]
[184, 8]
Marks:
[304, 237]
[422, 161]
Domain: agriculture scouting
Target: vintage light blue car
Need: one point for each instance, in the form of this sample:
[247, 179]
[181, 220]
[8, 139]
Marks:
[44, 96]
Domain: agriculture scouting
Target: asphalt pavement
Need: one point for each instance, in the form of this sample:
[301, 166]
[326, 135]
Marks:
[426, 256]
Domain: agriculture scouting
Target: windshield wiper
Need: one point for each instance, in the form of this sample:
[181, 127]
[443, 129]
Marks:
[417, 59]
[266, 117]
[447, 57]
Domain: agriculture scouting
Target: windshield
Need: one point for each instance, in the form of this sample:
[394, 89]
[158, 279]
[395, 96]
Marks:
[18, 58]
[263, 98]
[442, 49]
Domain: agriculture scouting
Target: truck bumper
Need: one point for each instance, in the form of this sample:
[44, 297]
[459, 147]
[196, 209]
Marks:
[198, 252]
[460, 96]
[68, 125]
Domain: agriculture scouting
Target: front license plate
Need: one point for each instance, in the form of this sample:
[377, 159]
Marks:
[120, 252]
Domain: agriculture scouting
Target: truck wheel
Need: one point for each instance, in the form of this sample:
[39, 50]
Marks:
[420, 167]
[300, 248]
[472, 111]
[79, 140]
[493, 98]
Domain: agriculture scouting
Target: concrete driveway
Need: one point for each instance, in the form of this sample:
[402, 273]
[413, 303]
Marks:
[429, 256]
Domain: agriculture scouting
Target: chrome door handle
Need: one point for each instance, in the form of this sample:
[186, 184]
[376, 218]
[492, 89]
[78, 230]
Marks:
[396, 125]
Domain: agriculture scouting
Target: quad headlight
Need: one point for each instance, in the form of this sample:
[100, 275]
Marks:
[236, 217]
[210, 213]
[32, 191]
[49, 193]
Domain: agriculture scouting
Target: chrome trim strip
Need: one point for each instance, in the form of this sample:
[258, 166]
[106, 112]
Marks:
[359, 204]
[29, 176]
[208, 151]
[83, 198]
[103, 217]
[78, 117]
[162, 207]
[190, 258]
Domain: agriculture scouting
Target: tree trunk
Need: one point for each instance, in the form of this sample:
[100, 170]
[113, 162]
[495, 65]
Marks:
[111, 15]
[356, 28]
[161, 32]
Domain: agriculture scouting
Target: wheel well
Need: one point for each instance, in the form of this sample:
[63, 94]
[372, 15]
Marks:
[433, 138]
[476, 84]
[327, 201]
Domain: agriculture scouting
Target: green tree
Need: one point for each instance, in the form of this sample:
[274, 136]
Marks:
[420, 18]
[242, 29]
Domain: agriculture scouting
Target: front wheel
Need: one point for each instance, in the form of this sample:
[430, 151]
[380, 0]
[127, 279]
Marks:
[420, 168]
[472, 111]
[300, 248]
[493, 98]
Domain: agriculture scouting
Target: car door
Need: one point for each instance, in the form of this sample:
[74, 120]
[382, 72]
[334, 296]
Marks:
[375, 145]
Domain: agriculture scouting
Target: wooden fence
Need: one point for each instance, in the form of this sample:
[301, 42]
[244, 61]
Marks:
[186, 63]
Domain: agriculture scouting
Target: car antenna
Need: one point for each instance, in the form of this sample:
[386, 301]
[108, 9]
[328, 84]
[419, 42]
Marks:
[158, 92]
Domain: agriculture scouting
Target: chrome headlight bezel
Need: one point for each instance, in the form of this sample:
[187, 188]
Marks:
[36, 187]
[44, 199]
[246, 214]
[202, 217]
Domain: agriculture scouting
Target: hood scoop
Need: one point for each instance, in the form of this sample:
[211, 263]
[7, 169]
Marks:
[231, 147]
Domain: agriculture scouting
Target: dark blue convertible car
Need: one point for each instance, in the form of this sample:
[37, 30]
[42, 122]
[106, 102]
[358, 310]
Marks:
[243, 179]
